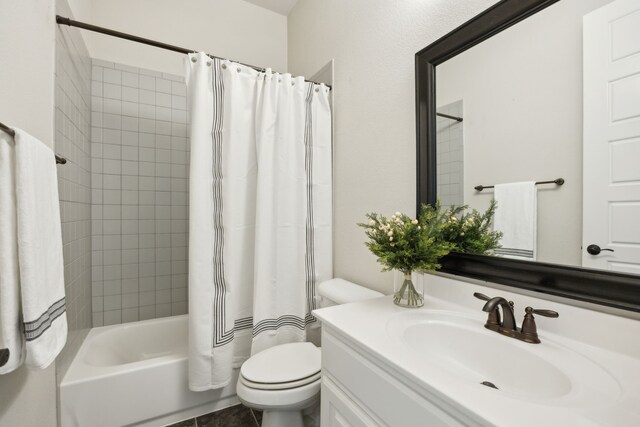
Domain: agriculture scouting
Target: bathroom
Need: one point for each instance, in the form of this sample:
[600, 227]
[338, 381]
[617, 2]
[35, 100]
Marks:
[516, 100]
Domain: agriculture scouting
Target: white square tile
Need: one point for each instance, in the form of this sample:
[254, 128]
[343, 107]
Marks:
[130, 182]
[147, 284]
[163, 128]
[147, 298]
[131, 80]
[163, 85]
[163, 310]
[111, 136]
[111, 197]
[97, 320]
[130, 153]
[111, 227]
[178, 88]
[111, 166]
[130, 300]
[96, 73]
[130, 138]
[163, 113]
[112, 106]
[113, 317]
[130, 315]
[130, 94]
[112, 91]
[130, 242]
[130, 270]
[147, 269]
[163, 240]
[97, 303]
[148, 83]
[179, 102]
[147, 197]
[129, 285]
[147, 111]
[147, 97]
[130, 108]
[162, 100]
[147, 312]
[147, 126]
[130, 124]
[130, 197]
[130, 167]
[112, 287]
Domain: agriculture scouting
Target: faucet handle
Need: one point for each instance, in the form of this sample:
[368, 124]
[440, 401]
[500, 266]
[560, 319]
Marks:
[529, 330]
[493, 318]
[545, 313]
[483, 297]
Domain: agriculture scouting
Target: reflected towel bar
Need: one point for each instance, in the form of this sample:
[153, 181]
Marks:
[558, 181]
[7, 129]
[446, 116]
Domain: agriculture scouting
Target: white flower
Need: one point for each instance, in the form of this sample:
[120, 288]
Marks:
[372, 222]
[419, 228]
[391, 238]
[393, 217]
[390, 233]
[462, 233]
[414, 222]
[398, 214]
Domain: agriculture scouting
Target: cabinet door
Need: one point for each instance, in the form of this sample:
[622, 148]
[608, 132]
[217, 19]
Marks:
[339, 410]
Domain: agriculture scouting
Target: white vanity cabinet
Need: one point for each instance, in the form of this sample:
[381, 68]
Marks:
[359, 390]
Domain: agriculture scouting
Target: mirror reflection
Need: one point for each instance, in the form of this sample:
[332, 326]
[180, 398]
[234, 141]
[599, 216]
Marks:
[545, 118]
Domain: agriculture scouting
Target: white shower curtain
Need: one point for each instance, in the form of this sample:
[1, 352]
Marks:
[260, 212]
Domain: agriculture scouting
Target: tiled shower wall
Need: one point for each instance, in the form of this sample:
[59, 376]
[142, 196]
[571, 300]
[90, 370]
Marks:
[450, 156]
[139, 194]
[72, 132]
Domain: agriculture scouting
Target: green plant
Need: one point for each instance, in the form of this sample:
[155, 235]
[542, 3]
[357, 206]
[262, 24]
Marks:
[407, 244]
[471, 232]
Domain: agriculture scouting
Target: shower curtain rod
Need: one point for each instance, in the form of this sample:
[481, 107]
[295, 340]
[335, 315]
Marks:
[70, 22]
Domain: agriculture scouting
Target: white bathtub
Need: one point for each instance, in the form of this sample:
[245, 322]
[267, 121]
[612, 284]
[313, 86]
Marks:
[135, 374]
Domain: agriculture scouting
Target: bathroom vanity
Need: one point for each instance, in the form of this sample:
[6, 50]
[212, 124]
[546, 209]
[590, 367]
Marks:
[439, 366]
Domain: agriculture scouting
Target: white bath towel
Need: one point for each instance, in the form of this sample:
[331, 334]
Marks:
[39, 251]
[10, 321]
[516, 218]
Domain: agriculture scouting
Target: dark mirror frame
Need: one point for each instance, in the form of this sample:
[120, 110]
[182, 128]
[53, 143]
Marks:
[612, 289]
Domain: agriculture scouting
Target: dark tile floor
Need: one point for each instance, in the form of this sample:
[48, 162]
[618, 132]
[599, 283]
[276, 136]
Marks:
[235, 416]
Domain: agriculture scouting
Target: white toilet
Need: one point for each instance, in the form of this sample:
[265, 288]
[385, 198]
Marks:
[284, 380]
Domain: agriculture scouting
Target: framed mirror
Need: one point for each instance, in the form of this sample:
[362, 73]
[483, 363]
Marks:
[540, 98]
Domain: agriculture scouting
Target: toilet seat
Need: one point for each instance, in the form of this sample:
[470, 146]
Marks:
[281, 386]
[282, 367]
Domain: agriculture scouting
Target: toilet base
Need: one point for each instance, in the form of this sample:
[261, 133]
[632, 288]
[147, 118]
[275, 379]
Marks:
[278, 418]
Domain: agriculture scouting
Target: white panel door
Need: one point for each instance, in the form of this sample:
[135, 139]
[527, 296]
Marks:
[611, 195]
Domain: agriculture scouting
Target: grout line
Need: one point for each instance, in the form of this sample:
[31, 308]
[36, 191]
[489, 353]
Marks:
[253, 416]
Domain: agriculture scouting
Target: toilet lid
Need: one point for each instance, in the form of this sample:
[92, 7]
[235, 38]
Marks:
[283, 363]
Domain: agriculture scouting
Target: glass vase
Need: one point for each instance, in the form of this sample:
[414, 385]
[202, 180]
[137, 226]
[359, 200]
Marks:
[406, 293]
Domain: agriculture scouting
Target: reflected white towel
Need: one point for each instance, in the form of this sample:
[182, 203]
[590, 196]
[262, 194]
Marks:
[10, 321]
[516, 218]
[39, 251]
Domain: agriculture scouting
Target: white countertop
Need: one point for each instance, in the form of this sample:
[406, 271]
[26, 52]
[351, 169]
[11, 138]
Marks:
[611, 342]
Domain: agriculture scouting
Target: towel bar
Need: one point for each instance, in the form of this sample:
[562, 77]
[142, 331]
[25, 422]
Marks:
[7, 129]
[557, 181]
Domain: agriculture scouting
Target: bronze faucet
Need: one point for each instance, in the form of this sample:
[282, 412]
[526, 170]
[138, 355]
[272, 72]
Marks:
[528, 332]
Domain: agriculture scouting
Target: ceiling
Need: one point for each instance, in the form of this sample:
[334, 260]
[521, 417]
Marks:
[283, 7]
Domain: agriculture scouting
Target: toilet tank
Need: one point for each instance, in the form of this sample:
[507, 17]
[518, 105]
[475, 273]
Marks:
[340, 291]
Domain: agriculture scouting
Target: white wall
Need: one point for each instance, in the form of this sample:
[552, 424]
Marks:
[522, 93]
[373, 43]
[232, 29]
[28, 398]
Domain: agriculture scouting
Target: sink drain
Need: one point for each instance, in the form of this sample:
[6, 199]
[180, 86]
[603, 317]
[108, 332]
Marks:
[489, 384]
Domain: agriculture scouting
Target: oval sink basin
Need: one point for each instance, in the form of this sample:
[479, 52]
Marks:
[463, 348]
